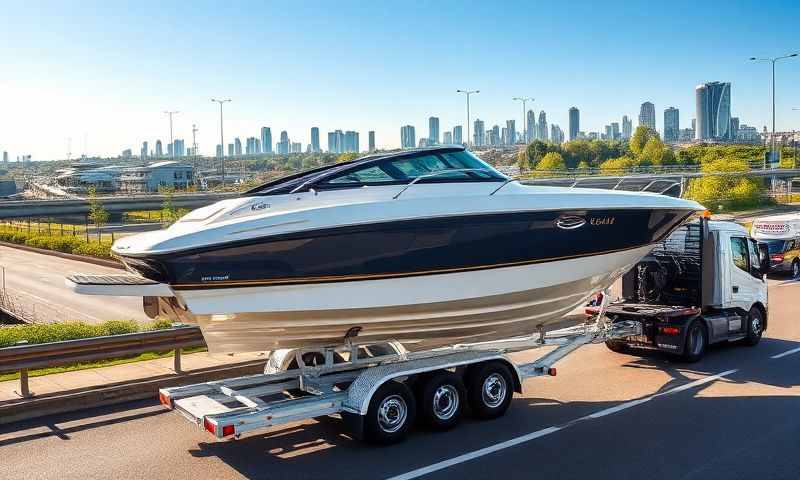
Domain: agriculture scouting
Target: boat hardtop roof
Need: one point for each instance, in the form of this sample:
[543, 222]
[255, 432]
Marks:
[468, 166]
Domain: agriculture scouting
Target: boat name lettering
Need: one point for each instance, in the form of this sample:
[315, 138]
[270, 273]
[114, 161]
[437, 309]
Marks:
[602, 221]
[215, 278]
[259, 206]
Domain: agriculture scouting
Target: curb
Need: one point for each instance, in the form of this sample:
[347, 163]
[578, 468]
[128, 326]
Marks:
[92, 397]
[69, 256]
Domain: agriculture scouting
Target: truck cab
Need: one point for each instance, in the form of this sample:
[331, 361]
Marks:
[704, 284]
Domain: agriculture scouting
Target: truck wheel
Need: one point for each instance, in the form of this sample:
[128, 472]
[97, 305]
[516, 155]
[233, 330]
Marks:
[390, 414]
[616, 346]
[489, 389]
[796, 269]
[696, 342]
[755, 326]
[442, 397]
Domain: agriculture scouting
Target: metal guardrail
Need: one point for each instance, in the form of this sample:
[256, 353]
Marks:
[24, 357]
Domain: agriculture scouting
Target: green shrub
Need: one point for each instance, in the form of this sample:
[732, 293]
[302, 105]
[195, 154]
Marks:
[57, 332]
[66, 243]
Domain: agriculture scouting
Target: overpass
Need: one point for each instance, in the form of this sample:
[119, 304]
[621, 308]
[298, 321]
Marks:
[115, 204]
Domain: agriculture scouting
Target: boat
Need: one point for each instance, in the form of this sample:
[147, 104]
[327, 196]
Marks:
[428, 247]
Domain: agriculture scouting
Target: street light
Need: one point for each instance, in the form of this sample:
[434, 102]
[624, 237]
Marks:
[773, 60]
[221, 137]
[524, 117]
[171, 141]
[468, 93]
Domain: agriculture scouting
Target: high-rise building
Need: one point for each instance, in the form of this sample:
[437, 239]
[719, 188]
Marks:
[315, 140]
[283, 146]
[574, 123]
[542, 133]
[408, 138]
[495, 136]
[556, 134]
[433, 130]
[511, 132]
[734, 127]
[159, 149]
[5, 158]
[231, 150]
[647, 115]
[713, 102]
[336, 142]
[608, 134]
[266, 140]
[530, 133]
[237, 146]
[143, 151]
[179, 147]
[250, 146]
[447, 138]
[258, 146]
[219, 151]
[672, 125]
[371, 140]
[297, 147]
[627, 127]
[504, 136]
[458, 136]
[480, 133]
[351, 141]
[615, 135]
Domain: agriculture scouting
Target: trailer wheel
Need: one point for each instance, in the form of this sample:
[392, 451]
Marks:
[489, 389]
[696, 342]
[390, 414]
[755, 327]
[617, 346]
[441, 400]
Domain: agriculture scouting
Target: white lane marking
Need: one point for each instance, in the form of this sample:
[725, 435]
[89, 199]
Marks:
[547, 431]
[787, 353]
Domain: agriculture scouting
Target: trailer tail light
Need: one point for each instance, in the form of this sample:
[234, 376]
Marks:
[165, 400]
[670, 330]
[227, 430]
[777, 257]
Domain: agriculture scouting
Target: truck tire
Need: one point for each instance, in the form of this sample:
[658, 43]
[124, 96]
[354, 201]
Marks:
[755, 327]
[617, 346]
[441, 400]
[696, 342]
[490, 389]
[390, 414]
[796, 269]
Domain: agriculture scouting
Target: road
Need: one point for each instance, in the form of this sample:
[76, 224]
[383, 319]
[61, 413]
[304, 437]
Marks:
[37, 282]
[733, 415]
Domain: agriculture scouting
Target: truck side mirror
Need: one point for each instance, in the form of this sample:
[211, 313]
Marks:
[763, 257]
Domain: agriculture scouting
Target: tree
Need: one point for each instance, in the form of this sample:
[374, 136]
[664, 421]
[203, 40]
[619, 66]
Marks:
[346, 157]
[730, 185]
[640, 138]
[535, 151]
[617, 165]
[552, 162]
[652, 152]
[97, 213]
[170, 214]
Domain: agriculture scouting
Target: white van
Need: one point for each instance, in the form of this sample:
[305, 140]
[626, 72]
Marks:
[782, 234]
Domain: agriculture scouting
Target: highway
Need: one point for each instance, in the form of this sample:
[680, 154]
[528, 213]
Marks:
[733, 415]
[37, 282]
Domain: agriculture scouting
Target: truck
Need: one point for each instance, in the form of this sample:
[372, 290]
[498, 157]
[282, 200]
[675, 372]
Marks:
[704, 284]
[781, 233]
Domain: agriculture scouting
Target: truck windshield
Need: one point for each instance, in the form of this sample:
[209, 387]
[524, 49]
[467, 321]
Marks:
[776, 246]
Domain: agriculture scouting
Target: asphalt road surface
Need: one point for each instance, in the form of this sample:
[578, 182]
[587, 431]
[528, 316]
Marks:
[36, 282]
[733, 415]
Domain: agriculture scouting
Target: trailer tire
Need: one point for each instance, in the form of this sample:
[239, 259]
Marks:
[441, 399]
[755, 327]
[617, 346]
[490, 389]
[696, 342]
[390, 414]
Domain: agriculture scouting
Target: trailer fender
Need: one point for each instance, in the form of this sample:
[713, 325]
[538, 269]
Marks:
[367, 383]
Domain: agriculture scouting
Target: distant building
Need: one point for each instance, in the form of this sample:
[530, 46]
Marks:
[713, 105]
[542, 127]
[336, 141]
[371, 140]
[556, 134]
[479, 133]
[231, 150]
[161, 174]
[748, 134]
[180, 147]
[504, 136]
[250, 146]
[266, 140]
[627, 127]
[511, 132]
[530, 133]
[159, 149]
[423, 142]
[647, 115]
[672, 124]
[607, 134]
[433, 130]
[5, 158]
[297, 147]
[447, 138]
[615, 133]
[143, 151]
[686, 134]
[407, 137]
[495, 136]
[351, 141]
[219, 151]
[237, 146]
[574, 123]
[127, 153]
[315, 140]
[458, 136]
[734, 127]
[283, 145]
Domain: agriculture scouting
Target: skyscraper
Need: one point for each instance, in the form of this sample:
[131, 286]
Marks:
[371, 140]
[5, 158]
[433, 130]
[672, 124]
[530, 134]
[336, 142]
[480, 133]
[408, 138]
[647, 115]
[351, 141]
[159, 150]
[283, 144]
[574, 123]
[219, 151]
[556, 134]
[713, 102]
[734, 127]
[447, 138]
[237, 146]
[542, 133]
[143, 151]
[615, 131]
[315, 140]
[627, 127]
[231, 150]
[458, 137]
[511, 132]
[179, 147]
[609, 134]
[266, 140]
[495, 136]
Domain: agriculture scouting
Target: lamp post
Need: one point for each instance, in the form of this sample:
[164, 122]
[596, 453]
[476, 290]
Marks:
[524, 117]
[773, 60]
[221, 137]
[171, 141]
[468, 93]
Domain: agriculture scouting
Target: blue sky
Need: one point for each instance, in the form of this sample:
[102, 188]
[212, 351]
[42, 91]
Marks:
[106, 70]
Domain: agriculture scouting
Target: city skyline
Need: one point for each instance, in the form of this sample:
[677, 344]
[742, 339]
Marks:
[94, 92]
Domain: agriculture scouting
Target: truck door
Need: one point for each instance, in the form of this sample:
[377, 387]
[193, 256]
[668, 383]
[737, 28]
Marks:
[745, 282]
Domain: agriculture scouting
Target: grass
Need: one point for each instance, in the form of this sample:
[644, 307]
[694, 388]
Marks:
[58, 332]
